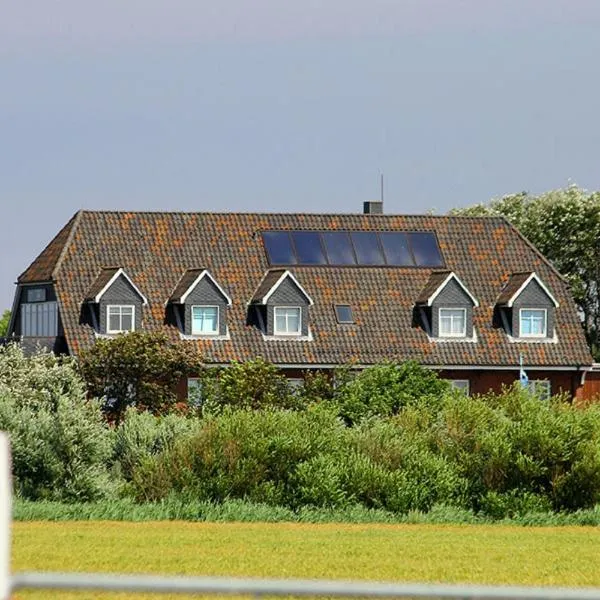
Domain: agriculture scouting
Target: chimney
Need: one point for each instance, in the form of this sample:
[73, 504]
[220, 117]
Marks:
[373, 207]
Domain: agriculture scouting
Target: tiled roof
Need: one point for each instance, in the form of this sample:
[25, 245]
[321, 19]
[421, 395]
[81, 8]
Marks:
[155, 249]
[514, 283]
[105, 275]
[184, 284]
[435, 280]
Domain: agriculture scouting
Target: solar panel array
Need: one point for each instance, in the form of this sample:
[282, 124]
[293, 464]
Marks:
[353, 248]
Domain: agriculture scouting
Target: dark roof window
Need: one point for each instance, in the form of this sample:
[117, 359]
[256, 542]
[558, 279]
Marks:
[343, 313]
[352, 248]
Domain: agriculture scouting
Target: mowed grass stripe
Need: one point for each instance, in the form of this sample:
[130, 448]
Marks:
[563, 556]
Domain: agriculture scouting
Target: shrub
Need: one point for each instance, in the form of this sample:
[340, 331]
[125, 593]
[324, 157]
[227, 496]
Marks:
[383, 390]
[60, 443]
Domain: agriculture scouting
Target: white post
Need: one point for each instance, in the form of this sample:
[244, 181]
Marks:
[5, 516]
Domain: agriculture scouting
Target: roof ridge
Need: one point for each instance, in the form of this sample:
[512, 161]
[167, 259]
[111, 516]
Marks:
[295, 214]
[74, 224]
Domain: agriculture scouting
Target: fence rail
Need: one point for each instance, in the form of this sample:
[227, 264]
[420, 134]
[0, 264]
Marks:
[252, 587]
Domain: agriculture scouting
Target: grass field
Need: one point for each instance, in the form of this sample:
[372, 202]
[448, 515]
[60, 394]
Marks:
[495, 554]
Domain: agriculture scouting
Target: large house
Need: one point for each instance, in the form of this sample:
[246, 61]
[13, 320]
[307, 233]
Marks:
[467, 296]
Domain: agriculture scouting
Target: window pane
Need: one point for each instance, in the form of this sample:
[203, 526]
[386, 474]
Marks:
[280, 322]
[425, 249]
[114, 321]
[127, 321]
[366, 245]
[395, 248]
[452, 321]
[338, 248]
[533, 322]
[308, 248]
[36, 295]
[343, 313]
[279, 247]
[287, 320]
[205, 319]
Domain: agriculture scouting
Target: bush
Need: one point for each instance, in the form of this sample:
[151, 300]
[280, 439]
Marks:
[60, 443]
[255, 384]
[383, 390]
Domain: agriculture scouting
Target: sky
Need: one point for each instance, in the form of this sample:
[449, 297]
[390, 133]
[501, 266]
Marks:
[266, 106]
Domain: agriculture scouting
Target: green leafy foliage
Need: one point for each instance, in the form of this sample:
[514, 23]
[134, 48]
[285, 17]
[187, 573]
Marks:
[385, 389]
[565, 226]
[4, 321]
[138, 369]
[60, 442]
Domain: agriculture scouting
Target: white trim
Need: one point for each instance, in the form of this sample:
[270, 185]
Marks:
[463, 333]
[537, 336]
[452, 275]
[454, 339]
[192, 286]
[285, 274]
[205, 333]
[110, 331]
[287, 333]
[525, 284]
[120, 272]
[213, 338]
[294, 338]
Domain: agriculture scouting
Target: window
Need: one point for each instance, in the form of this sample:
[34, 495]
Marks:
[461, 384]
[540, 388]
[205, 320]
[343, 313]
[39, 319]
[36, 295]
[287, 320]
[120, 318]
[532, 322]
[453, 322]
[295, 385]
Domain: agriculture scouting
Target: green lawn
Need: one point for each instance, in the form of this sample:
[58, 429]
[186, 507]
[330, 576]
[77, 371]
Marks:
[494, 554]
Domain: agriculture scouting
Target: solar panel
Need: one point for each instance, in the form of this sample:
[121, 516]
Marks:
[279, 248]
[353, 248]
[308, 248]
[425, 249]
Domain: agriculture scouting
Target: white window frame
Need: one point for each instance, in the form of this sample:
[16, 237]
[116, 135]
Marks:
[459, 384]
[533, 335]
[463, 333]
[203, 333]
[120, 307]
[287, 333]
[534, 385]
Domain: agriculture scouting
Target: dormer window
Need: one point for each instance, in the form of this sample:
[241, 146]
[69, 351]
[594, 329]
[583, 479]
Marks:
[205, 320]
[121, 319]
[198, 306]
[445, 308]
[115, 302]
[533, 322]
[288, 320]
[526, 308]
[280, 305]
[452, 322]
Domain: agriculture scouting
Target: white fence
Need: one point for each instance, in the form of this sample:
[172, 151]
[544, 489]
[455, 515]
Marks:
[252, 587]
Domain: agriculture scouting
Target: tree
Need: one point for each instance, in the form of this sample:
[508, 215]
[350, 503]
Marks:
[140, 369]
[565, 226]
[4, 321]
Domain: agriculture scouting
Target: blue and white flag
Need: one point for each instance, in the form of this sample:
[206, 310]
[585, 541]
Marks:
[522, 375]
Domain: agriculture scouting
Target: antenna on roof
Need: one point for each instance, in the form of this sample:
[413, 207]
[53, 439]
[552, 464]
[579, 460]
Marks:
[382, 187]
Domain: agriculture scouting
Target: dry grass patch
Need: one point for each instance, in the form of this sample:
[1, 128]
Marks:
[563, 556]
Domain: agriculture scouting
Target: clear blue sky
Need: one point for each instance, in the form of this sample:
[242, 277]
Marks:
[271, 105]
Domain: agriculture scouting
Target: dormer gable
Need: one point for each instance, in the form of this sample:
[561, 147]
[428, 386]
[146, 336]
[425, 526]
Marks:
[527, 308]
[199, 304]
[281, 305]
[115, 302]
[445, 307]
[275, 279]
